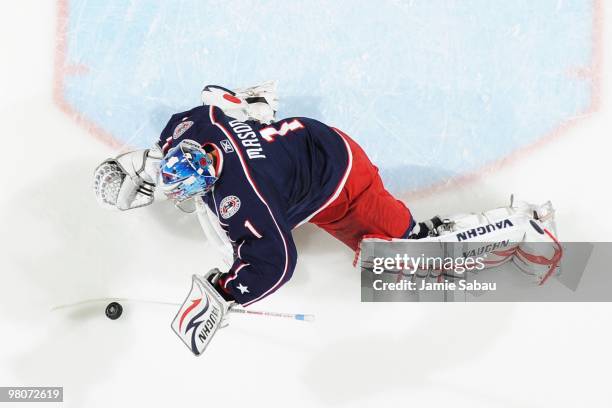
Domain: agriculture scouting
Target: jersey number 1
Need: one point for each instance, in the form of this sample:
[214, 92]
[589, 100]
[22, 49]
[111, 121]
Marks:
[270, 132]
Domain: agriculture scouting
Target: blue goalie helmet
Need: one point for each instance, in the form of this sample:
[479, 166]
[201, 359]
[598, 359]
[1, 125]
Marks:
[189, 170]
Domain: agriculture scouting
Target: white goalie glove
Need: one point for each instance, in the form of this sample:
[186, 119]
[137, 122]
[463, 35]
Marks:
[127, 181]
[258, 103]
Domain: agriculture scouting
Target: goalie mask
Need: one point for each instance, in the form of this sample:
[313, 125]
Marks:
[189, 170]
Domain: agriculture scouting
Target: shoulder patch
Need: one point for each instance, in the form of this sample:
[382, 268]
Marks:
[181, 128]
[227, 146]
[229, 206]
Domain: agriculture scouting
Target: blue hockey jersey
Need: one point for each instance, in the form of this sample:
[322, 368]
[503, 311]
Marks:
[273, 178]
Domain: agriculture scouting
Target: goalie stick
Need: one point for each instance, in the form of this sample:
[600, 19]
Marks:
[293, 316]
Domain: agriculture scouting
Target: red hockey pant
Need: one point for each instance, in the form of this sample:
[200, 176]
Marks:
[364, 206]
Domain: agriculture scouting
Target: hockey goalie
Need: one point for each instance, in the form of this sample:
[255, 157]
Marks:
[253, 179]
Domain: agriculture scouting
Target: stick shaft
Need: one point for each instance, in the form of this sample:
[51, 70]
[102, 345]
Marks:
[293, 316]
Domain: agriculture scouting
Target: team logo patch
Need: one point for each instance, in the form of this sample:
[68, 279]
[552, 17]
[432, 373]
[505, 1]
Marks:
[229, 206]
[227, 146]
[181, 128]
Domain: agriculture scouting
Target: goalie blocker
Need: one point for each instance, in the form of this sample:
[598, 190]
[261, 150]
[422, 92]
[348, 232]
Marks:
[203, 313]
[522, 233]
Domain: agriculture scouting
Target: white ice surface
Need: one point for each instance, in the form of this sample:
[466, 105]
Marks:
[57, 246]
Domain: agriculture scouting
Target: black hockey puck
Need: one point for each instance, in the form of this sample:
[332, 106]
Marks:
[114, 310]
